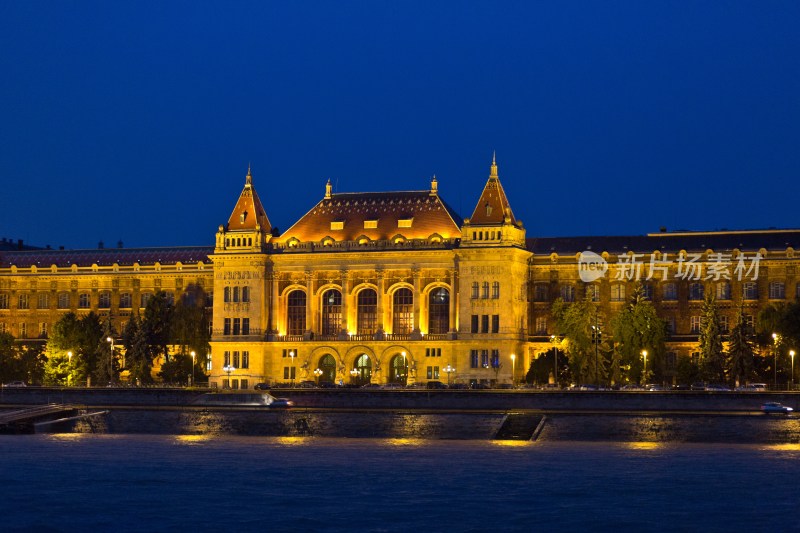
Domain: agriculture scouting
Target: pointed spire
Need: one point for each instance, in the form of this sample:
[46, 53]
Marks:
[328, 189]
[248, 181]
[493, 206]
[493, 172]
[434, 186]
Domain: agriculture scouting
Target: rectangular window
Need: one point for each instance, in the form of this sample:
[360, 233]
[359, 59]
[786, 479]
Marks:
[540, 292]
[617, 292]
[647, 289]
[245, 326]
[236, 359]
[495, 290]
[144, 298]
[473, 358]
[670, 321]
[723, 290]
[495, 358]
[695, 358]
[485, 358]
[593, 292]
[485, 290]
[63, 300]
[694, 322]
[23, 331]
[568, 293]
[495, 323]
[237, 325]
[484, 323]
[226, 330]
[750, 290]
[227, 359]
[749, 326]
[337, 225]
[288, 372]
[245, 384]
[370, 224]
[777, 290]
[541, 325]
[474, 323]
[433, 372]
[125, 300]
[43, 301]
[104, 301]
[475, 290]
[405, 222]
[83, 300]
[3, 300]
[43, 329]
[235, 384]
[245, 359]
[671, 361]
[724, 325]
[290, 352]
[22, 301]
[670, 292]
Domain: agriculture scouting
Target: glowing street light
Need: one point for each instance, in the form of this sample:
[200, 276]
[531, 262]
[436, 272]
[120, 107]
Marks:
[111, 360]
[775, 361]
[513, 367]
[405, 368]
[554, 341]
[317, 374]
[354, 373]
[644, 374]
[229, 369]
[291, 355]
[69, 375]
[193, 359]
[791, 354]
[448, 370]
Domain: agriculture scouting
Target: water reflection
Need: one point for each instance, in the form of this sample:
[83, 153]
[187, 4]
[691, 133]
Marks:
[512, 443]
[192, 440]
[644, 445]
[404, 442]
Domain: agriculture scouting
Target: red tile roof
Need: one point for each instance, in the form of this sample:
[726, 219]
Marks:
[106, 257]
[249, 211]
[493, 204]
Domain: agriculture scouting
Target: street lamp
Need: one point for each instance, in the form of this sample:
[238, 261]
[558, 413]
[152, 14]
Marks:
[775, 361]
[193, 359]
[291, 372]
[229, 369]
[69, 374]
[791, 354]
[644, 374]
[405, 368]
[317, 374]
[513, 367]
[354, 373]
[111, 360]
[596, 329]
[554, 342]
[448, 370]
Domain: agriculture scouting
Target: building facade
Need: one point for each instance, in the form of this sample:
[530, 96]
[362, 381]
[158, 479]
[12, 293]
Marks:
[396, 287]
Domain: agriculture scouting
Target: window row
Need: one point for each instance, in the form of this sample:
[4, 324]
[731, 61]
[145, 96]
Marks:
[480, 324]
[236, 326]
[236, 359]
[367, 316]
[236, 294]
[481, 290]
[238, 241]
[84, 300]
[481, 359]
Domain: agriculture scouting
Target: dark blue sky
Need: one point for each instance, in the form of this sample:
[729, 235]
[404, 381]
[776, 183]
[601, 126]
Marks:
[136, 120]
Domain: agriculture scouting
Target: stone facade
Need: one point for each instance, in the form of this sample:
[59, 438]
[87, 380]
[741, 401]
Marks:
[395, 287]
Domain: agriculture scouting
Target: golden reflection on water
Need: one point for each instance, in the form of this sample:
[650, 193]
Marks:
[293, 441]
[403, 442]
[192, 440]
[512, 443]
[67, 436]
[787, 447]
[644, 445]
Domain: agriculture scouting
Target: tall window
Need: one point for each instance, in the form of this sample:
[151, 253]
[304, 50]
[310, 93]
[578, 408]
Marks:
[235, 294]
[245, 294]
[296, 313]
[439, 311]
[617, 292]
[104, 301]
[23, 301]
[541, 325]
[43, 301]
[593, 292]
[474, 324]
[83, 300]
[402, 311]
[723, 290]
[144, 298]
[777, 290]
[495, 323]
[226, 294]
[226, 327]
[495, 290]
[724, 324]
[125, 300]
[670, 292]
[475, 290]
[473, 358]
[647, 290]
[3, 300]
[568, 293]
[367, 319]
[245, 326]
[485, 290]
[484, 323]
[331, 312]
[694, 323]
[540, 292]
[750, 290]
[63, 300]
[696, 291]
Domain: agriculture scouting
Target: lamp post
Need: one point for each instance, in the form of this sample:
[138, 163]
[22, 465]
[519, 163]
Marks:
[644, 374]
[791, 354]
[291, 372]
[354, 373]
[554, 342]
[775, 361]
[228, 369]
[69, 374]
[111, 360]
[317, 374]
[448, 370]
[405, 368]
[193, 359]
[596, 329]
[513, 367]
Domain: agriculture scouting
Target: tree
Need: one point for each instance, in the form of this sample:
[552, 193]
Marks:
[637, 327]
[156, 325]
[189, 327]
[711, 351]
[107, 368]
[81, 336]
[575, 322]
[10, 368]
[740, 351]
[138, 358]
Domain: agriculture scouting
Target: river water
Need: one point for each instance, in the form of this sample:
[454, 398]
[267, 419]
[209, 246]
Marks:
[89, 482]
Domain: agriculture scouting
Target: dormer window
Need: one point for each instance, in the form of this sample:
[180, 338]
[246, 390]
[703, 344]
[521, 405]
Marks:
[488, 209]
[243, 217]
[337, 225]
[404, 222]
[370, 224]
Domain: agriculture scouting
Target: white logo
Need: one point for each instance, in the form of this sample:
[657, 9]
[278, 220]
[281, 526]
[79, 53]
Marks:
[591, 267]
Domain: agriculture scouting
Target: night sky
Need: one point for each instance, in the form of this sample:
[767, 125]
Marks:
[137, 120]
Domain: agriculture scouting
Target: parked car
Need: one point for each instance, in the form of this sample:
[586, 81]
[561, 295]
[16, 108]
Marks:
[717, 387]
[307, 384]
[393, 386]
[261, 386]
[753, 387]
[435, 385]
[775, 408]
[697, 385]
[15, 384]
[371, 386]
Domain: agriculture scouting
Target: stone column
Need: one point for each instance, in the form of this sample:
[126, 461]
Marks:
[415, 274]
[345, 298]
[453, 301]
[273, 303]
[381, 290]
[311, 304]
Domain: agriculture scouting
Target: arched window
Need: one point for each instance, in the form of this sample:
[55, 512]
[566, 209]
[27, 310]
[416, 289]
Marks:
[327, 364]
[363, 369]
[367, 319]
[485, 290]
[402, 311]
[398, 369]
[439, 311]
[296, 313]
[495, 290]
[331, 312]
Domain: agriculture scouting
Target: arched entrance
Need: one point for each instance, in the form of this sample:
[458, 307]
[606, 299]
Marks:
[398, 369]
[327, 364]
[363, 369]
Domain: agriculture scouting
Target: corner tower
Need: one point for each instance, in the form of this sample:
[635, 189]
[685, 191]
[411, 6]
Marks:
[248, 228]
